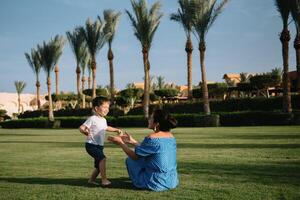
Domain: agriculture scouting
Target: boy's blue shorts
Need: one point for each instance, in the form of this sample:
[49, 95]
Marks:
[96, 151]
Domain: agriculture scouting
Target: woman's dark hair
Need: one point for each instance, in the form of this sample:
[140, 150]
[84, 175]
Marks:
[98, 101]
[165, 120]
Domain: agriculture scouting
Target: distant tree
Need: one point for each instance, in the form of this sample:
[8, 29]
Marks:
[20, 85]
[78, 46]
[95, 39]
[34, 62]
[50, 53]
[295, 11]
[145, 24]
[283, 7]
[111, 18]
[205, 16]
[184, 16]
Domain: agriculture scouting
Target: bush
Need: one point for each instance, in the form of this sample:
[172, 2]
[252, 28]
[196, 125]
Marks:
[255, 118]
[131, 121]
[195, 120]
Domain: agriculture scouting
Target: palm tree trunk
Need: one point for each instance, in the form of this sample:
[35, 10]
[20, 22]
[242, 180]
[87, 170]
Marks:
[297, 48]
[146, 83]
[56, 79]
[89, 82]
[78, 72]
[206, 107]
[110, 57]
[50, 113]
[189, 50]
[94, 76]
[285, 38]
[82, 89]
[38, 102]
[19, 103]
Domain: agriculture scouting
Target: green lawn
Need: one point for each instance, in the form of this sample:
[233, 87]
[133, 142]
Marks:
[213, 163]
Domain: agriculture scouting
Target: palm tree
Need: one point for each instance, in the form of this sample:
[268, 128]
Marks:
[35, 64]
[112, 19]
[295, 11]
[184, 16]
[77, 44]
[20, 85]
[161, 82]
[95, 39]
[283, 8]
[85, 57]
[50, 53]
[145, 24]
[205, 16]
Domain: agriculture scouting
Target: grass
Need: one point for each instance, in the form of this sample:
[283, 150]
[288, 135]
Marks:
[213, 163]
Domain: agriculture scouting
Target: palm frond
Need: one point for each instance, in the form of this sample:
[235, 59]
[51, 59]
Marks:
[20, 85]
[205, 16]
[50, 53]
[295, 11]
[283, 7]
[34, 62]
[94, 35]
[76, 41]
[144, 21]
[185, 15]
[112, 19]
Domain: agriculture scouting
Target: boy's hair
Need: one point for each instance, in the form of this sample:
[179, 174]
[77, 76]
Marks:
[98, 101]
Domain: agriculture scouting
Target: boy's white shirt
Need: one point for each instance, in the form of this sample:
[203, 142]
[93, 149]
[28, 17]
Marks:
[97, 126]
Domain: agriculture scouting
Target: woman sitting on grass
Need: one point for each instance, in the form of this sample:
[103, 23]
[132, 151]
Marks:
[152, 165]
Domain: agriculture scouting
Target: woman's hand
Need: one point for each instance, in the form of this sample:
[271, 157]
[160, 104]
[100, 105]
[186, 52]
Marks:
[127, 138]
[115, 139]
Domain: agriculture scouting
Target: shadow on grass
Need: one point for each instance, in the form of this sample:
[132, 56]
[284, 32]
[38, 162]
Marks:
[237, 146]
[117, 183]
[271, 173]
[57, 143]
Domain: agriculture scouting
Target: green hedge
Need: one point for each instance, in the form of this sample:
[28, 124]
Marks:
[230, 105]
[184, 120]
[256, 118]
[114, 111]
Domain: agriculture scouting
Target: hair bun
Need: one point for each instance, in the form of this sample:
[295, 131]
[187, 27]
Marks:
[172, 122]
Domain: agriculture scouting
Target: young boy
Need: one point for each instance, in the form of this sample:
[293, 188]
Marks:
[94, 128]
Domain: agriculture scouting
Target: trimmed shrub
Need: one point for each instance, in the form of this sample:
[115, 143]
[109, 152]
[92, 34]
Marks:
[255, 118]
[196, 120]
[25, 123]
[131, 121]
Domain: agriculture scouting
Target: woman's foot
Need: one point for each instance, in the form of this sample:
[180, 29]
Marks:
[105, 182]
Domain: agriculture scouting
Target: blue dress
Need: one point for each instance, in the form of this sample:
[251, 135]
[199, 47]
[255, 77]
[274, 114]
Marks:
[156, 168]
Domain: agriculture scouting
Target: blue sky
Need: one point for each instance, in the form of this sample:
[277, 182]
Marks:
[245, 38]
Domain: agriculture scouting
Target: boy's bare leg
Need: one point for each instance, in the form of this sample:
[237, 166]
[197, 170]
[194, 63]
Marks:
[94, 175]
[102, 167]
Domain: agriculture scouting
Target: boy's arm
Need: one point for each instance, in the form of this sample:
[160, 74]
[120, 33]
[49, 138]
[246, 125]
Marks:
[112, 129]
[84, 130]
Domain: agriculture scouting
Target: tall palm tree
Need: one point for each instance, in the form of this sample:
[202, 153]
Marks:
[283, 8]
[112, 19]
[20, 85]
[295, 11]
[145, 24]
[184, 16]
[205, 16]
[35, 64]
[95, 39]
[50, 53]
[85, 57]
[77, 44]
